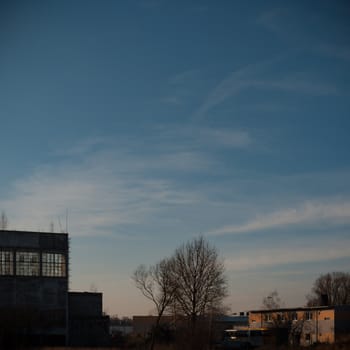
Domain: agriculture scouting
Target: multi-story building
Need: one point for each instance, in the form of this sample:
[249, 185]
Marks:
[34, 285]
[34, 299]
[305, 325]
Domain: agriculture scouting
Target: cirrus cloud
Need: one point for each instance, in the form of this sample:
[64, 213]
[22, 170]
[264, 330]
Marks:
[309, 212]
[323, 251]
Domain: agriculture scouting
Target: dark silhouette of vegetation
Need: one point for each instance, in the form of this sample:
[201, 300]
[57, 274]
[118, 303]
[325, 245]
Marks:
[272, 301]
[156, 284]
[330, 289]
[191, 284]
[201, 282]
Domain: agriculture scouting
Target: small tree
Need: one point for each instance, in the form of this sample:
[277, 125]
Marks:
[157, 285]
[272, 301]
[3, 221]
[199, 275]
[280, 321]
[330, 289]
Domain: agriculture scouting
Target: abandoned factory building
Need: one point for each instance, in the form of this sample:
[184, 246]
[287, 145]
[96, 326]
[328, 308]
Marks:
[36, 307]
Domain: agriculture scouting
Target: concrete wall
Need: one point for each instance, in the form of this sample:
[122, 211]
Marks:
[84, 304]
[43, 293]
[35, 240]
[87, 324]
[342, 322]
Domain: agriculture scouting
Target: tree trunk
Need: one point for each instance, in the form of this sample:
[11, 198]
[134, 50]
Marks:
[154, 332]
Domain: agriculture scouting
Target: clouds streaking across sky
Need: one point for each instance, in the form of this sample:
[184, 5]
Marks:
[152, 122]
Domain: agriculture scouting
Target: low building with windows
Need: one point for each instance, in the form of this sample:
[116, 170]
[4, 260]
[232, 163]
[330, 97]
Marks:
[305, 325]
[34, 296]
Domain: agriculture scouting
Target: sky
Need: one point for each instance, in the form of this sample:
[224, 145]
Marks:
[152, 122]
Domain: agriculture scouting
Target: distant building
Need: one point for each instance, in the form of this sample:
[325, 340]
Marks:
[305, 325]
[120, 329]
[35, 303]
[142, 325]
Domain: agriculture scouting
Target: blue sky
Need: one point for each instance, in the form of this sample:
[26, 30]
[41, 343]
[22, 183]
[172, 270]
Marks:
[152, 122]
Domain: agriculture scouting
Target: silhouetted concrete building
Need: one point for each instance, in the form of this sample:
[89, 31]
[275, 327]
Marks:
[34, 285]
[87, 324]
[34, 298]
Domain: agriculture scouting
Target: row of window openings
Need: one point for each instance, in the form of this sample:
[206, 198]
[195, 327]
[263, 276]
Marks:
[28, 264]
[293, 317]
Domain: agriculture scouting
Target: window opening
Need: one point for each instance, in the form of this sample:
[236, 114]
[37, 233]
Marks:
[268, 317]
[308, 315]
[27, 264]
[6, 262]
[294, 316]
[53, 265]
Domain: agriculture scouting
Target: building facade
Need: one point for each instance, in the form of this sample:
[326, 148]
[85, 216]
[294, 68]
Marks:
[36, 307]
[305, 325]
[34, 285]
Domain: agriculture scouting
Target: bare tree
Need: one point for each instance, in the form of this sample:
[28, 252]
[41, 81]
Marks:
[3, 221]
[156, 284]
[200, 279]
[284, 324]
[272, 301]
[330, 289]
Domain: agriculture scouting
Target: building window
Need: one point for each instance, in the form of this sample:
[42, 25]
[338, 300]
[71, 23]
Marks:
[6, 262]
[280, 316]
[53, 265]
[27, 264]
[294, 316]
[308, 315]
[268, 317]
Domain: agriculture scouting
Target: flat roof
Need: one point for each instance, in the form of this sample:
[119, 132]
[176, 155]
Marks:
[302, 308]
[35, 232]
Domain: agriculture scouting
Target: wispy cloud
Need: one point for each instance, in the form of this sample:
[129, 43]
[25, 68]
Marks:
[106, 187]
[171, 100]
[254, 77]
[194, 137]
[83, 147]
[228, 138]
[273, 19]
[181, 87]
[301, 86]
[329, 250]
[306, 213]
[184, 77]
[102, 191]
